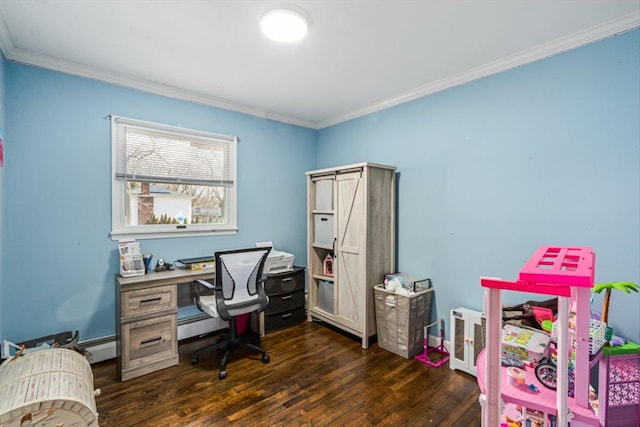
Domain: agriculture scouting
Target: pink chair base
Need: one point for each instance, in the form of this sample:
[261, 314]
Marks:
[424, 357]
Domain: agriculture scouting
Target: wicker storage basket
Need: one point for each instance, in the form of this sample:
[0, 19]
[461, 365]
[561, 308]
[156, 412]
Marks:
[47, 388]
[400, 320]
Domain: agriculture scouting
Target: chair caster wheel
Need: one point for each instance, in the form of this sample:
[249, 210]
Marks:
[265, 358]
[194, 360]
[222, 375]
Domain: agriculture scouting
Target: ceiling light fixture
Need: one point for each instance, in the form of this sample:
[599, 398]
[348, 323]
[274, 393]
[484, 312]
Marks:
[284, 25]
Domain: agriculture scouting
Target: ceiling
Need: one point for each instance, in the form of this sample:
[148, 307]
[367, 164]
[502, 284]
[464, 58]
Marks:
[359, 56]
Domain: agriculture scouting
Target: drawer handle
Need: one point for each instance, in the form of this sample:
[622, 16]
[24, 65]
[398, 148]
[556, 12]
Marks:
[150, 301]
[286, 297]
[152, 341]
[284, 316]
[288, 279]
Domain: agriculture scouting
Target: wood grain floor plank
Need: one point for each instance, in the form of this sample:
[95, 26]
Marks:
[317, 377]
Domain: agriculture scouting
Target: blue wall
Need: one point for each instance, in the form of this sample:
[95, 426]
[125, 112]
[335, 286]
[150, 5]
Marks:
[59, 259]
[2, 132]
[545, 154]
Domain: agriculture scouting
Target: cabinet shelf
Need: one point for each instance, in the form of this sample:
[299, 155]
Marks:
[325, 247]
[323, 277]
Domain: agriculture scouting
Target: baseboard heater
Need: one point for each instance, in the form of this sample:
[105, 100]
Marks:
[104, 348]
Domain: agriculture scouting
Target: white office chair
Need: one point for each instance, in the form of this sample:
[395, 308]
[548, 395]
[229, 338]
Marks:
[238, 290]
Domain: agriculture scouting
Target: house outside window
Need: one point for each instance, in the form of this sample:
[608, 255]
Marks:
[169, 181]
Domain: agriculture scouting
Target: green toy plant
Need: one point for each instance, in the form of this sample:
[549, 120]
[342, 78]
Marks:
[607, 287]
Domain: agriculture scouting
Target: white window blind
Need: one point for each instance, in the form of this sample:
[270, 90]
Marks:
[163, 155]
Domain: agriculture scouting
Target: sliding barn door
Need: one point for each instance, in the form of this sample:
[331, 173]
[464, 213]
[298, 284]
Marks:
[350, 237]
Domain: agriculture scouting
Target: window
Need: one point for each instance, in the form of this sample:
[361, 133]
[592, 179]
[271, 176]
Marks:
[168, 181]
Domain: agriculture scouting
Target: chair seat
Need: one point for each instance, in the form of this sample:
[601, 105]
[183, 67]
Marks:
[208, 305]
[243, 309]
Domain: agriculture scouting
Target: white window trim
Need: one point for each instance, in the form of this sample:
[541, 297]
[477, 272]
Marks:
[118, 194]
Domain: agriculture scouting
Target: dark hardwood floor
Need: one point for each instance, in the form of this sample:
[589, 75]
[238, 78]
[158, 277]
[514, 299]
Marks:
[317, 377]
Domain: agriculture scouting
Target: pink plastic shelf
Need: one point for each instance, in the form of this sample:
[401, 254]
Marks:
[560, 266]
[544, 400]
[522, 286]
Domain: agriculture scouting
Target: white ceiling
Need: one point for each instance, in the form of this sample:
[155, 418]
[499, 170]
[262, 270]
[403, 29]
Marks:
[359, 56]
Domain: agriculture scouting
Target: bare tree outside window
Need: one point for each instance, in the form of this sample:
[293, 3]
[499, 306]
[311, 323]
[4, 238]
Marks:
[173, 177]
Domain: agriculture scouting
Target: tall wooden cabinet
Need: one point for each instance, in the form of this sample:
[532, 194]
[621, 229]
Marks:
[351, 218]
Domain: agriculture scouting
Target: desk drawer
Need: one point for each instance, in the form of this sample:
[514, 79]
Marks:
[150, 340]
[277, 321]
[148, 300]
[284, 282]
[285, 302]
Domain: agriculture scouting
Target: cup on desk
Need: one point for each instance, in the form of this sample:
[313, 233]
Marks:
[147, 262]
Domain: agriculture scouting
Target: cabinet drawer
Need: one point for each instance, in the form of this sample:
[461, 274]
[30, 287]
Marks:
[147, 341]
[148, 300]
[284, 283]
[285, 302]
[277, 321]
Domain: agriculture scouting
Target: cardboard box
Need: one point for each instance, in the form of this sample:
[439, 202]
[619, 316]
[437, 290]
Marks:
[523, 344]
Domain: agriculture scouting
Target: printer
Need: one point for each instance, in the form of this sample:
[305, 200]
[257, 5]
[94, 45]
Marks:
[277, 261]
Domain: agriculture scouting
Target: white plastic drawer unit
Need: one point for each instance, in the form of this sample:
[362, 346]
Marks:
[323, 229]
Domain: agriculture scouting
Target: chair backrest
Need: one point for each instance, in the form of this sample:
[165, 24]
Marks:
[238, 281]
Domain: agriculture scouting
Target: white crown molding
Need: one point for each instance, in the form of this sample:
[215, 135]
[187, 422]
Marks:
[6, 42]
[581, 38]
[44, 61]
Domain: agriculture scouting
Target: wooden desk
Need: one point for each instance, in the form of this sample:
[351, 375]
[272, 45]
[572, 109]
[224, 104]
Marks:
[147, 315]
[147, 319]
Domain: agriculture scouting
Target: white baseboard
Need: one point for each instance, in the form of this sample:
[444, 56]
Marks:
[100, 352]
[105, 348]
[435, 342]
[200, 327]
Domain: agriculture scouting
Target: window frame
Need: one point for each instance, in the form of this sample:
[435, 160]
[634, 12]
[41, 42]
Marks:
[119, 228]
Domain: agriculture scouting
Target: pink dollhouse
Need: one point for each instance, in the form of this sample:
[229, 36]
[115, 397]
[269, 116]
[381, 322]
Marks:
[565, 272]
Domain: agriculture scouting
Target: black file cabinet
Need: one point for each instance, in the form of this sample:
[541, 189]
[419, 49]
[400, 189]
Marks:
[286, 300]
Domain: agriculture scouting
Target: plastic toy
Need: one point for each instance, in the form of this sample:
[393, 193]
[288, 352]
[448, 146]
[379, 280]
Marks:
[508, 361]
[619, 385]
[424, 357]
[608, 287]
[546, 371]
[547, 374]
[542, 314]
[565, 272]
